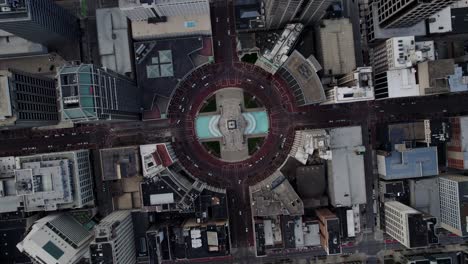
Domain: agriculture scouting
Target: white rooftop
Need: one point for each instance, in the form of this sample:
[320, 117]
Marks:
[346, 182]
[113, 40]
[175, 26]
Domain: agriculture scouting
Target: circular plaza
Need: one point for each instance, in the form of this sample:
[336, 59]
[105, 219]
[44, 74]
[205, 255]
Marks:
[231, 122]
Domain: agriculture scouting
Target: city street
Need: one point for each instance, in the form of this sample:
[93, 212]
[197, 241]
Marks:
[285, 117]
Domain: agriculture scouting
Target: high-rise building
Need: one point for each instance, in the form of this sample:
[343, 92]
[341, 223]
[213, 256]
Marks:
[353, 87]
[453, 191]
[405, 162]
[57, 238]
[88, 93]
[346, 182]
[457, 147]
[406, 13]
[46, 182]
[138, 10]
[113, 240]
[372, 31]
[330, 238]
[27, 100]
[405, 224]
[40, 21]
[312, 11]
[335, 42]
[13, 228]
[280, 12]
[393, 62]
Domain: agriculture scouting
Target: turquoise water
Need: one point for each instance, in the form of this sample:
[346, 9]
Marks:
[257, 123]
[206, 127]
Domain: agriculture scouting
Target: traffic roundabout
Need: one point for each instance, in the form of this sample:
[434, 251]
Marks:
[231, 123]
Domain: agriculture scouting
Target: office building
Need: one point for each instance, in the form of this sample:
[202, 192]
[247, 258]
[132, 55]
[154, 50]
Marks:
[27, 100]
[114, 40]
[346, 183]
[88, 93]
[457, 147]
[189, 240]
[393, 191]
[431, 257]
[312, 11]
[453, 191]
[249, 16]
[272, 59]
[335, 41]
[159, 10]
[400, 53]
[424, 196]
[39, 21]
[300, 73]
[156, 158]
[372, 30]
[439, 76]
[394, 63]
[13, 229]
[353, 87]
[406, 13]
[280, 12]
[405, 162]
[12, 46]
[308, 142]
[118, 163]
[275, 196]
[405, 224]
[113, 240]
[329, 225]
[57, 238]
[46, 182]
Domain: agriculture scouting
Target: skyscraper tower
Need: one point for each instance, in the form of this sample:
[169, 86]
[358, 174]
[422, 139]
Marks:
[88, 93]
[27, 100]
[40, 21]
[406, 13]
[280, 12]
[113, 242]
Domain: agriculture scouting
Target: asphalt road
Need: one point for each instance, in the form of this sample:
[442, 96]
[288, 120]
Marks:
[285, 119]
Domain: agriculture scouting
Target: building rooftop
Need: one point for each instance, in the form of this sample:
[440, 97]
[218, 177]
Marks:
[346, 182]
[275, 196]
[306, 142]
[57, 237]
[113, 40]
[424, 195]
[5, 99]
[45, 64]
[336, 46]
[459, 18]
[12, 231]
[158, 73]
[42, 182]
[156, 157]
[13, 10]
[273, 58]
[307, 176]
[118, 163]
[354, 86]
[301, 74]
[14, 46]
[456, 178]
[408, 163]
[175, 26]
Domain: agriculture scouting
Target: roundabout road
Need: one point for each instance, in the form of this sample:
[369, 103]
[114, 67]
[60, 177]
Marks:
[200, 85]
